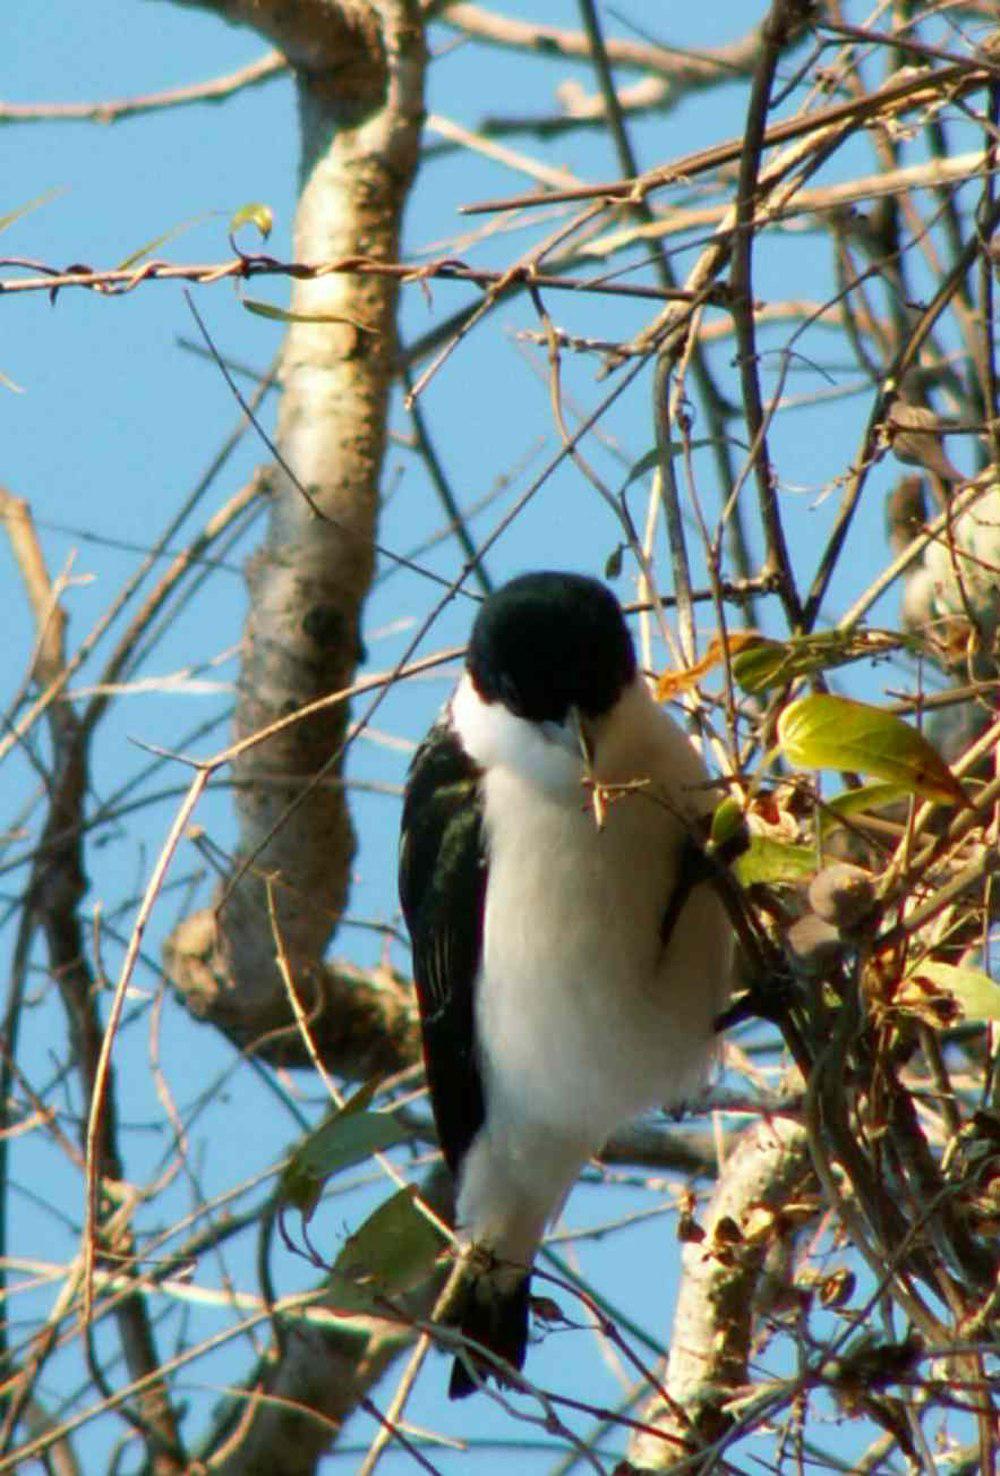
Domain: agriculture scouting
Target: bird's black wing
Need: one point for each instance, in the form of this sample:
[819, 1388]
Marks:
[442, 886]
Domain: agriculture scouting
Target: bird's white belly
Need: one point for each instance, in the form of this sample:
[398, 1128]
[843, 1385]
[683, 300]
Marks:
[589, 1019]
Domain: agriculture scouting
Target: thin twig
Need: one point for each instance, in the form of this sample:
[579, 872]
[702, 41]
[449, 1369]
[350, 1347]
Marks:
[774, 38]
[911, 93]
[217, 89]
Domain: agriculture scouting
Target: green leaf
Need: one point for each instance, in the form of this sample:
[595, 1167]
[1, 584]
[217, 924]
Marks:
[770, 663]
[26, 209]
[975, 993]
[641, 468]
[350, 1136]
[256, 214]
[826, 732]
[395, 1249]
[727, 823]
[286, 315]
[613, 563]
[651, 460]
[865, 798]
[157, 242]
[769, 861]
[760, 665]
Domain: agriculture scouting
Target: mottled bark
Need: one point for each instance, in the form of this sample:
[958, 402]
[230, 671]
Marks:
[718, 1296]
[359, 74]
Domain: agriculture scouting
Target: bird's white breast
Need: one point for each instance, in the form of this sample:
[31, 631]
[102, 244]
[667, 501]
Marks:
[584, 1018]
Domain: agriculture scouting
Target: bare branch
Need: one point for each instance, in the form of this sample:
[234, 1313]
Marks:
[680, 65]
[52, 904]
[217, 89]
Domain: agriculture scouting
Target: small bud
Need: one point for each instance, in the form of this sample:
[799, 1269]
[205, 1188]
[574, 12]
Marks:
[547, 1310]
[837, 1289]
[726, 1232]
[689, 1232]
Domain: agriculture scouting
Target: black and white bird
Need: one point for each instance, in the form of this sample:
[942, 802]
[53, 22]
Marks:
[568, 972]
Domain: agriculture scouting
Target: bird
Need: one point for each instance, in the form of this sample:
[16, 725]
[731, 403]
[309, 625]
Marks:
[570, 954]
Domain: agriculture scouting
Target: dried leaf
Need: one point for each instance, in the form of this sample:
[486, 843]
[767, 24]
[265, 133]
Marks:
[947, 992]
[837, 1289]
[672, 682]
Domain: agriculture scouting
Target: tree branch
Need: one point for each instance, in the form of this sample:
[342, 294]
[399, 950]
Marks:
[52, 903]
[716, 1304]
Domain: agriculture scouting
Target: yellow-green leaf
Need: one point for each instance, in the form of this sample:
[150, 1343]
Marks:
[394, 1250]
[975, 993]
[827, 732]
[256, 214]
[865, 799]
[769, 861]
[286, 315]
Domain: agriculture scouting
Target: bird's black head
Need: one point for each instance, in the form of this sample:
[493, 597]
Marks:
[547, 642]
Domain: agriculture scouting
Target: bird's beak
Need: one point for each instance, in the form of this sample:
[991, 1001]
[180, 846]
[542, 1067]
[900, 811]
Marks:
[567, 734]
[581, 736]
[576, 735]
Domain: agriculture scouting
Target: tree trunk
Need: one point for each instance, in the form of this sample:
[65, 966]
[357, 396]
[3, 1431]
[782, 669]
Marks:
[359, 73]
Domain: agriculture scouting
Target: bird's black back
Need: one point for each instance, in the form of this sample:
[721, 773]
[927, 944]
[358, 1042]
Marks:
[442, 886]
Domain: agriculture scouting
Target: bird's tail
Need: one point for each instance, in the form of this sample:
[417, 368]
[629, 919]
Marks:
[496, 1317]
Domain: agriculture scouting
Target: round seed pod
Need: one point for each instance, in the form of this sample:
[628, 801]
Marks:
[842, 895]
